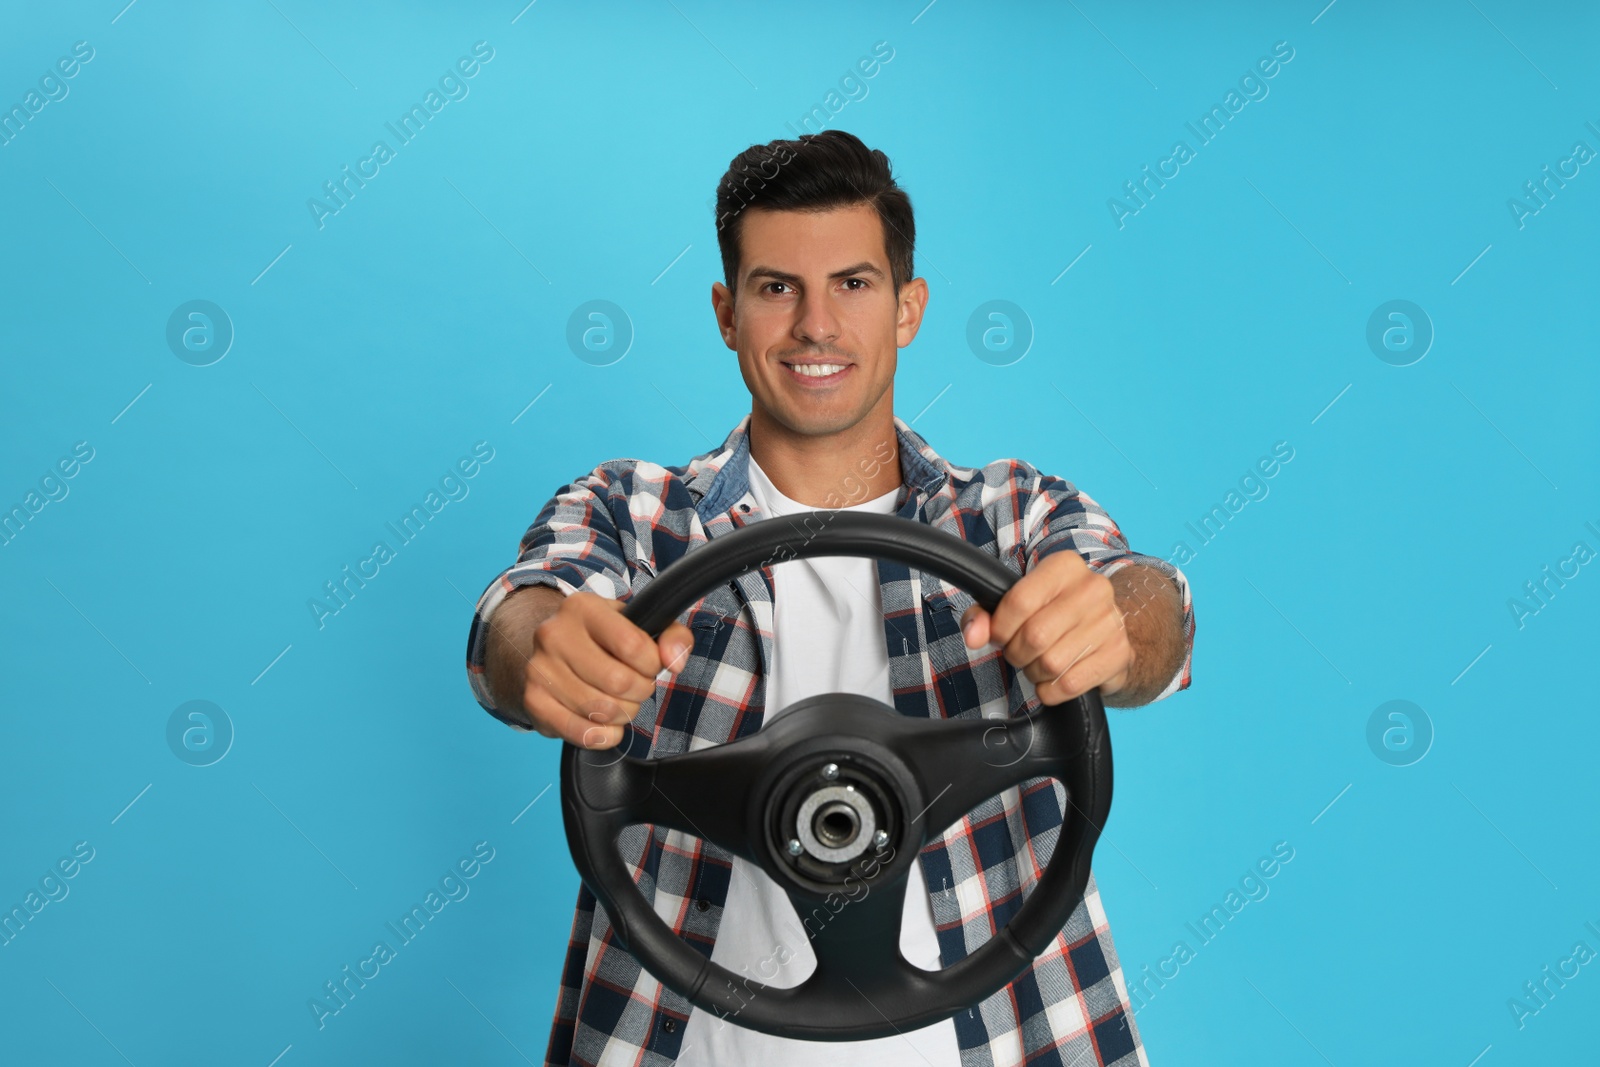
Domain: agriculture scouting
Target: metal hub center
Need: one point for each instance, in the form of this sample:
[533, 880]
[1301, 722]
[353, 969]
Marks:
[835, 823]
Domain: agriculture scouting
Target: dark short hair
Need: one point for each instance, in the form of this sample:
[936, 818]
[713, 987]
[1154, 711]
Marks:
[815, 172]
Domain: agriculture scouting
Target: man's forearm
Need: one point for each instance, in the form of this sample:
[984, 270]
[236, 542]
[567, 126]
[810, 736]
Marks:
[510, 643]
[1152, 611]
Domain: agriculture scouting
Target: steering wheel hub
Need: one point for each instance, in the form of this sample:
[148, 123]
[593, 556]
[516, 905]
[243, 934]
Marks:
[835, 823]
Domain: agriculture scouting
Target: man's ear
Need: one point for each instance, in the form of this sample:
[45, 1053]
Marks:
[912, 302]
[722, 306]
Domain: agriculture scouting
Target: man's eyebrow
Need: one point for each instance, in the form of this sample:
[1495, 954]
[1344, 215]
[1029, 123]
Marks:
[864, 267]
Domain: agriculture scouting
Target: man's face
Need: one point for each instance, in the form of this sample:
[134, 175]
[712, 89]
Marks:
[816, 321]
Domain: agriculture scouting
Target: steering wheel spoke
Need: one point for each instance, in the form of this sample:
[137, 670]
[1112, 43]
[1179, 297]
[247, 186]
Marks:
[855, 933]
[698, 793]
[963, 763]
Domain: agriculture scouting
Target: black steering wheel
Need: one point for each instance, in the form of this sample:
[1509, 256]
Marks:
[834, 799]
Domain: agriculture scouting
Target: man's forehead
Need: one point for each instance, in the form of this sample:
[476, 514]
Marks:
[824, 240]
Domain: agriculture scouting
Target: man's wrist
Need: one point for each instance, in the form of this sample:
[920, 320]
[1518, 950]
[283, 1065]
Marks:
[509, 644]
[1152, 614]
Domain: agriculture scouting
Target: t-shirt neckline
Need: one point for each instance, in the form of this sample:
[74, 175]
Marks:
[776, 503]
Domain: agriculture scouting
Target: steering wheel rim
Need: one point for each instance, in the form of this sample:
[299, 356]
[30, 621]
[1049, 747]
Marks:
[862, 987]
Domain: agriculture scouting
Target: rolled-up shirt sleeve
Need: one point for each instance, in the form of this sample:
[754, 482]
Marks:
[1058, 517]
[572, 545]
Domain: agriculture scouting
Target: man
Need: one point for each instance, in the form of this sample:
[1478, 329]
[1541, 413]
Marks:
[817, 299]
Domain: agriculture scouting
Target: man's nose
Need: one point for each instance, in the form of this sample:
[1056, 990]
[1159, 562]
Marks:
[817, 324]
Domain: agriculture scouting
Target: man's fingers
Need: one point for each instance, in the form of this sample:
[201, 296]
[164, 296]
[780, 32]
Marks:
[1044, 629]
[1077, 643]
[604, 678]
[599, 737]
[1058, 576]
[593, 734]
[592, 669]
[572, 728]
[621, 638]
[576, 694]
[1099, 666]
[1080, 663]
[1061, 680]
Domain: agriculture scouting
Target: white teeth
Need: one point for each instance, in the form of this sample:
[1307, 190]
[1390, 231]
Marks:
[818, 370]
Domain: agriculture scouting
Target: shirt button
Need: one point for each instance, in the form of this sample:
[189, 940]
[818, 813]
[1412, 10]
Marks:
[670, 1026]
[703, 904]
[744, 507]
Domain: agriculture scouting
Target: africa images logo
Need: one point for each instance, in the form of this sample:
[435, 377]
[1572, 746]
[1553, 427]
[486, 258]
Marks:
[452, 86]
[1252, 84]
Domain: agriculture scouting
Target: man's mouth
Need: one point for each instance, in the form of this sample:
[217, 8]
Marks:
[818, 373]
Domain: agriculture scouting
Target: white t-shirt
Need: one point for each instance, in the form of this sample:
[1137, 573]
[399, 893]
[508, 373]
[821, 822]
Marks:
[828, 638]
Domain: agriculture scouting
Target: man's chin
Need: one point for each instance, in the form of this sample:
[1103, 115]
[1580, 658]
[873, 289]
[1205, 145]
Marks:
[813, 422]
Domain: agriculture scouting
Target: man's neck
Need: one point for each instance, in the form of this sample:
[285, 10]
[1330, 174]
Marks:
[832, 471]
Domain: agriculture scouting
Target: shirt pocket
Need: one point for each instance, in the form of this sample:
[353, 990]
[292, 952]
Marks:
[968, 683]
[942, 609]
[644, 572]
[711, 621]
[717, 609]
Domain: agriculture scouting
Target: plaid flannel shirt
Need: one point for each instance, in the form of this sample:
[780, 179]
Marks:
[613, 530]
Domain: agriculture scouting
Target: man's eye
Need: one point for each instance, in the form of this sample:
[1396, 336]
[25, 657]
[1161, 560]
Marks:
[769, 285]
[856, 281]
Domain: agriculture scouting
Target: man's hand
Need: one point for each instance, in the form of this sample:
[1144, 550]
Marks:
[590, 670]
[1060, 624]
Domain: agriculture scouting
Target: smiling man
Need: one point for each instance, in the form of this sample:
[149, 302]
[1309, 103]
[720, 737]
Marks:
[817, 300]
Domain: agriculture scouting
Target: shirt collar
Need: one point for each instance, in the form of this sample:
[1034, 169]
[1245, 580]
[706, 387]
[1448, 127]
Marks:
[724, 478]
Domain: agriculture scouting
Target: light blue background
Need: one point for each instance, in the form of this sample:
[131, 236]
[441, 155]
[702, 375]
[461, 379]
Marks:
[1224, 317]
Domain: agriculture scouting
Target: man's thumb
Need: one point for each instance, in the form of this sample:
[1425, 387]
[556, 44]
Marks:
[674, 647]
[975, 630]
